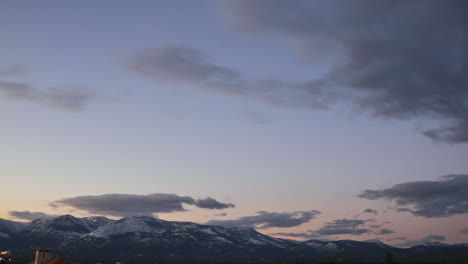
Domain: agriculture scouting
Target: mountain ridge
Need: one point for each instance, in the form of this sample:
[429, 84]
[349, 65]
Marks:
[148, 238]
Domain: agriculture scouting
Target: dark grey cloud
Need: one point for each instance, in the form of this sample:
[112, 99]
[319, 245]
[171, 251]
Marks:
[371, 211]
[188, 66]
[445, 197]
[427, 239]
[264, 219]
[385, 231]
[395, 59]
[132, 204]
[344, 227]
[403, 209]
[210, 203]
[464, 231]
[15, 69]
[338, 227]
[68, 98]
[28, 215]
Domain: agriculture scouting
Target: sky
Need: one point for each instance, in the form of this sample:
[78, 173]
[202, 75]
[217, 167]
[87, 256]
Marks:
[302, 119]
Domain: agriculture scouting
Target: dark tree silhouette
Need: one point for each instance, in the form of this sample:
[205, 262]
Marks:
[389, 258]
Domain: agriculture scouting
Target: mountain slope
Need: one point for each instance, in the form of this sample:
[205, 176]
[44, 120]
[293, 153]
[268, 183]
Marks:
[61, 228]
[142, 236]
[149, 239]
[9, 228]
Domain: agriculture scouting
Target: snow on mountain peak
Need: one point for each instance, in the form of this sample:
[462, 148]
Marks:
[142, 224]
[10, 227]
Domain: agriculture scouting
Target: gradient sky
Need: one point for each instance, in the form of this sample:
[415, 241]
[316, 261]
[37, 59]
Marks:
[278, 106]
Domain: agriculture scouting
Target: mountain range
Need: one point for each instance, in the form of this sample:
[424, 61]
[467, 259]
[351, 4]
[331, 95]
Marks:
[141, 238]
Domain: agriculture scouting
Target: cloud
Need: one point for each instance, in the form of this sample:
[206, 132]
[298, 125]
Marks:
[68, 98]
[371, 211]
[397, 238]
[28, 215]
[445, 197]
[412, 243]
[403, 209]
[133, 204]
[344, 227]
[269, 219]
[188, 66]
[339, 227]
[221, 214]
[309, 234]
[256, 117]
[15, 69]
[210, 203]
[464, 231]
[385, 231]
[395, 59]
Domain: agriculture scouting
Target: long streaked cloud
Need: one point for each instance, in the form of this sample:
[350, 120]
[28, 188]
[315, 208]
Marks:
[189, 66]
[344, 227]
[64, 97]
[412, 243]
[339, 227]
[15, 69]
[265, 219]
[445, 197]
[28, 215]
[133, 204]
[210, 203]
[384, 231]
[392, 57]
[309, 234]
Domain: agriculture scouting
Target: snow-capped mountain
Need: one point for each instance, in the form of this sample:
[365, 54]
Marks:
[9, 228]
[377, 242]
[435, 244]
[141, 236]
[146, 239]
[62, 228]
[315, 243]
[137, 226]
[341, 245]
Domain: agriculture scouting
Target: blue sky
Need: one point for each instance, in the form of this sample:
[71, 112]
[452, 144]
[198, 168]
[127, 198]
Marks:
[154, 130]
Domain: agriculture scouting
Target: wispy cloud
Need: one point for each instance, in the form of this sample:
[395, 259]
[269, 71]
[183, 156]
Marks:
[391, 62]
[385, 231]
[256, 117]
[309, 234]
[186, 65]
[66, 97]
[263, 220]
[344, 227]
[371, 211]
[11, 70]
[28, 215]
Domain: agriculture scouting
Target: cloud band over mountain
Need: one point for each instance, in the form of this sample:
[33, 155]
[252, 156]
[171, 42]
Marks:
[443, 198]
[133, 204]
[263, 219]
